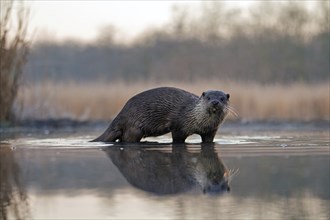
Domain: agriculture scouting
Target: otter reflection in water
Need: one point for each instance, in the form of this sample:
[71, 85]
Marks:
[173, 172]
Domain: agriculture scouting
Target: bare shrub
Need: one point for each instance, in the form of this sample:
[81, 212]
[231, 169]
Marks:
[13, 53]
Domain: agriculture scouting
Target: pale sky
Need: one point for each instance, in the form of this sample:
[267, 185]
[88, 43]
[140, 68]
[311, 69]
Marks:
[62, 19]
[82, 20]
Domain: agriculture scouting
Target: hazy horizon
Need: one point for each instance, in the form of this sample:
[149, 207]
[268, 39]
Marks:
[83, 21]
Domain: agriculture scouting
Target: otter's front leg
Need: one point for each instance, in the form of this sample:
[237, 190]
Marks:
[208, 137]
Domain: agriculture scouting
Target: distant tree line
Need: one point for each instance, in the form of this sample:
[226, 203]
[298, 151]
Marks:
[273, 42]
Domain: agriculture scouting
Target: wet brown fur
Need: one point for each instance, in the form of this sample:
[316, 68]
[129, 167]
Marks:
[162, 110]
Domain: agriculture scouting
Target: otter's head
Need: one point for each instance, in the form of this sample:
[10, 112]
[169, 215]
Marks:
[210, 172]
[212, 176]
[217, 184]
[216, 101]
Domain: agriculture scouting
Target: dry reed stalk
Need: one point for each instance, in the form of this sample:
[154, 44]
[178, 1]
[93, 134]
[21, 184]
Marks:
[103, 100]
[13, 54]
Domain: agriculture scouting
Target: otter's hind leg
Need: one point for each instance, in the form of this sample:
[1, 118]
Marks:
[178, 137]
[132, 135]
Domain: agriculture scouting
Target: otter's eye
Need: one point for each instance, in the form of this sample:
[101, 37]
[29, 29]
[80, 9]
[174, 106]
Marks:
[222, 99]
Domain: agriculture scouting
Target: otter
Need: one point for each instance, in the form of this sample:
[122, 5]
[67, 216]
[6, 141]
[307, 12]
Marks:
[162, 110]
[179, 171]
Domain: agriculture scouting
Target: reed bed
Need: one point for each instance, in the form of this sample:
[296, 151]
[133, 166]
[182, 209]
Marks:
[103, 100]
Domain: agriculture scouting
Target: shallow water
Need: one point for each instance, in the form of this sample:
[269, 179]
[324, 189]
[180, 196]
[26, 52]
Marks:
[273, 175]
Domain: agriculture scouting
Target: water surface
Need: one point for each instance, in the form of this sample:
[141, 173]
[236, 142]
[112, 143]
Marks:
[277, 174]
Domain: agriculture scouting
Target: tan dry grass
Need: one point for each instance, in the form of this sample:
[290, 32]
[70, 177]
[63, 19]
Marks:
[103, 100]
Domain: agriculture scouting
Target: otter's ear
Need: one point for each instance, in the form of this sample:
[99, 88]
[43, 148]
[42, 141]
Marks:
[228, 96]
[203, 94]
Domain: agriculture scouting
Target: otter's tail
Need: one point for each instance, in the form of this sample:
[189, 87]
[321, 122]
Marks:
[110, 135]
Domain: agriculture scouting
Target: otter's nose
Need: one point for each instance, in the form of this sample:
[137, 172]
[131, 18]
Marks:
[215, 102]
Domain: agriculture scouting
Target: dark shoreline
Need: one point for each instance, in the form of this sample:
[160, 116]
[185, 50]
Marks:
[66, 124]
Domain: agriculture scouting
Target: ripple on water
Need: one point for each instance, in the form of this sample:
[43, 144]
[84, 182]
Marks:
[225, 142]
[63, 143]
